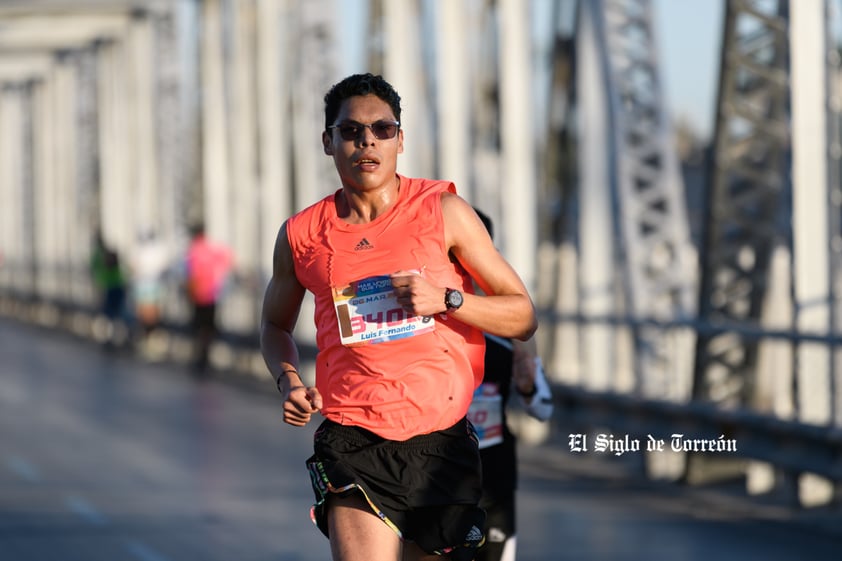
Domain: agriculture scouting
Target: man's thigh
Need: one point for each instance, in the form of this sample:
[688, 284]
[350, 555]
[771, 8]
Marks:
[357, 534]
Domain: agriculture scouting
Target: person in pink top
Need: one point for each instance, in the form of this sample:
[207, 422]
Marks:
[391, 262]
[208, 265]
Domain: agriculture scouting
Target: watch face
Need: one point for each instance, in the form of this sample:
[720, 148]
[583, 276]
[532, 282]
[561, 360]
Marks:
[454, 299]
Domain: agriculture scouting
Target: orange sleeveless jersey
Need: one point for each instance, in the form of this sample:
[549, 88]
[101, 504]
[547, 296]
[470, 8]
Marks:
[378, 368]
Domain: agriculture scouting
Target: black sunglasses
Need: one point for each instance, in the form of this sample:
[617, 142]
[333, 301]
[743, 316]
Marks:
[382, 130]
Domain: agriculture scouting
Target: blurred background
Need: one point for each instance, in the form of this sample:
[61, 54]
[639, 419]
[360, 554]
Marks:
[664, 174]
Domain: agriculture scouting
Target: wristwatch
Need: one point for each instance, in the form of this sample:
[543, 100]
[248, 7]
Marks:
[453, 299]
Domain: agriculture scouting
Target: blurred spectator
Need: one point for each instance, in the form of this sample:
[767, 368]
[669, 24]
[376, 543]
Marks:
[110, 283]
[149, 263]
[511, 367]
[208, 265]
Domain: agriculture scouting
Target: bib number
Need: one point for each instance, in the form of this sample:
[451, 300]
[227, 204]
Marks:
[368, 313]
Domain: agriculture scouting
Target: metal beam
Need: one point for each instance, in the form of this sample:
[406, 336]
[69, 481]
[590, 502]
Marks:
[748, 195]
[39, 33]
[17, 8]
[24, 67]
[652, 245]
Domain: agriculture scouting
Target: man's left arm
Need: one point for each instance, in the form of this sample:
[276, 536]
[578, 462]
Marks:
[529, 380]
[504, 309]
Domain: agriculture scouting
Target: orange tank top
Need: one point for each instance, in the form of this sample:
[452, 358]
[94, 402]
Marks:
[377, 368]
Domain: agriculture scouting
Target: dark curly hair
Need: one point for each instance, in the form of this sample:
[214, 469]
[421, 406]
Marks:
[360, 84]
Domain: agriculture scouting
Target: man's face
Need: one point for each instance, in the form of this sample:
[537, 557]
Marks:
[365, 162]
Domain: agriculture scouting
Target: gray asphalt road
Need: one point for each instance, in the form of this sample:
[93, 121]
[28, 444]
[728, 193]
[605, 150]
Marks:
[104, 457]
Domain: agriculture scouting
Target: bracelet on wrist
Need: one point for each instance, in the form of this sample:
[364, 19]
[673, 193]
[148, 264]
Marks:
[278, 381]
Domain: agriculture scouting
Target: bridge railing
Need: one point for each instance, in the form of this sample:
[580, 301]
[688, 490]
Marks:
[687, 428]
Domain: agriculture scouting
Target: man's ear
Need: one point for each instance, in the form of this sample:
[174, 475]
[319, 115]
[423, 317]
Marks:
[327, 143]
[400, 141]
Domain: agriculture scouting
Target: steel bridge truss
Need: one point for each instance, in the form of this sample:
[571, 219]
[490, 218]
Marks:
[749, 194]
[658, 271]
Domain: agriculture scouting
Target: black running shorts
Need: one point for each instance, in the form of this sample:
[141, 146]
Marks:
[427, 488]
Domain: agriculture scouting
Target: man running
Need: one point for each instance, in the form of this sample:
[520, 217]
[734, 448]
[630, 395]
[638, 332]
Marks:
[391, 262]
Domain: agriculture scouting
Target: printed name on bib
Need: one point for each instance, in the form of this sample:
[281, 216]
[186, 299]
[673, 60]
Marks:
[368, 313]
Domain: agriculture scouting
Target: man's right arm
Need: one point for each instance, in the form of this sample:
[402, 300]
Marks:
[281, 306]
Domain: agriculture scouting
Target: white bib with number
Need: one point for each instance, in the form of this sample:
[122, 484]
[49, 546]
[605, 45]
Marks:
[486, 414]
[368, 312]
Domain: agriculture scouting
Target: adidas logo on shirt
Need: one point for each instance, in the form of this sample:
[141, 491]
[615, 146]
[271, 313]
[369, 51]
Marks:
[363, 245]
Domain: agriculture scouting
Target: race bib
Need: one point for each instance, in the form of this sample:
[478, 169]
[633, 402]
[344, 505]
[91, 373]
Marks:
[486, 414]
[368, 312]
